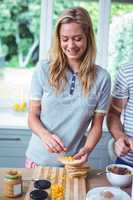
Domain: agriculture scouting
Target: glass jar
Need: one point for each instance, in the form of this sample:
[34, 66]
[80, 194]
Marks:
[12, 184]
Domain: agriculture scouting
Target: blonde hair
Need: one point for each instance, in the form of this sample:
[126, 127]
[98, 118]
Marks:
[58, 60]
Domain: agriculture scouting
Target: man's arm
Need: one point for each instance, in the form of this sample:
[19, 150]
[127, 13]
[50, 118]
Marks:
[122, 144]
[114, 118]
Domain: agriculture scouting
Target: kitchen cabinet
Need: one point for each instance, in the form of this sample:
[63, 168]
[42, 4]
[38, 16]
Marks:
[13, 143]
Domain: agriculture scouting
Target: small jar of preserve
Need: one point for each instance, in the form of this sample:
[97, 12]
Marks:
[12, 184]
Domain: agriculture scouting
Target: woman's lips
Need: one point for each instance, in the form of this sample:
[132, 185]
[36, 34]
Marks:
[72, 52]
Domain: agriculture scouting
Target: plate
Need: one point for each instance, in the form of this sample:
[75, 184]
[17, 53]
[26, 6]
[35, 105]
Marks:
[119, 194]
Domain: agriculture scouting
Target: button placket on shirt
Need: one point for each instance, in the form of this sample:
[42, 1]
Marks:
[72, 86]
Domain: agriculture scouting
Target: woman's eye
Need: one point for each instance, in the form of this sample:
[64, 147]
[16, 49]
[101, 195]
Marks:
[78, 39]
[64, 39]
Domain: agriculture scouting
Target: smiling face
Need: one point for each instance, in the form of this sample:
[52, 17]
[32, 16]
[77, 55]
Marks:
[73, 41]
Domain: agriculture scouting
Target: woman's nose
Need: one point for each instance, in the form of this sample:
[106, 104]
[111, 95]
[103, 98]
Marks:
[71, 43]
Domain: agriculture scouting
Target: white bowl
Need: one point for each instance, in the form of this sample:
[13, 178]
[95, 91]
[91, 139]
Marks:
[119, 180]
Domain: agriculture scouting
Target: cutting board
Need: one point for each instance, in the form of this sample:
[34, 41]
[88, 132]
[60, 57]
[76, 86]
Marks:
[74, 188]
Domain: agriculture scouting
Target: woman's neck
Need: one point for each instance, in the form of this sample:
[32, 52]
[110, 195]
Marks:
[74, 66]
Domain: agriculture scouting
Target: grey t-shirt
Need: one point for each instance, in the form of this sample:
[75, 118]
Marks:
[64, 114]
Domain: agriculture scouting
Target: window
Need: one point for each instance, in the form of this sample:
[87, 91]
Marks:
[19, 45]
[91, 5]
[121, 36]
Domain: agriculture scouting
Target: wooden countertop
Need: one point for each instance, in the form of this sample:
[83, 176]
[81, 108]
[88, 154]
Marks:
[93, 180]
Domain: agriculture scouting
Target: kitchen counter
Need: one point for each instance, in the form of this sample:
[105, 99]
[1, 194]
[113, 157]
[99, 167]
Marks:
[93, 180]
[13, 120]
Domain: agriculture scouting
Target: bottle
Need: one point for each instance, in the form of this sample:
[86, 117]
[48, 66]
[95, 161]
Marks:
[12, 184]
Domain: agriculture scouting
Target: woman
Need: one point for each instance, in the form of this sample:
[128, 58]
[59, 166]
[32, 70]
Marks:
[68, 92]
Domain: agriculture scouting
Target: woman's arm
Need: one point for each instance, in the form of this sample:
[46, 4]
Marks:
[50, 141]
[95, 132]
[94, 136]
[34, 121]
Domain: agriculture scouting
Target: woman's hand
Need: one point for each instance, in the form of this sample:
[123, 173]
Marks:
[82, 155]
[53, 143]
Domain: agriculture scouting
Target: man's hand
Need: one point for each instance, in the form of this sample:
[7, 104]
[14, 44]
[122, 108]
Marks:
[122, 146]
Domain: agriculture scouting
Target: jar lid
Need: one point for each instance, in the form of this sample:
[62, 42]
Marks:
[42, 184]
[12, 174]
[38, 194]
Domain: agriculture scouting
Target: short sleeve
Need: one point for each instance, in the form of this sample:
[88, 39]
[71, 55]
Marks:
[37, 82]
[120, 89]
[104, 94]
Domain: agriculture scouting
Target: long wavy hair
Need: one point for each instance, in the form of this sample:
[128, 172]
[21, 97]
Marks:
[58, 60]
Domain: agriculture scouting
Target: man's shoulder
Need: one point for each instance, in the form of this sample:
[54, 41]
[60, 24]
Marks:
[126, 67]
